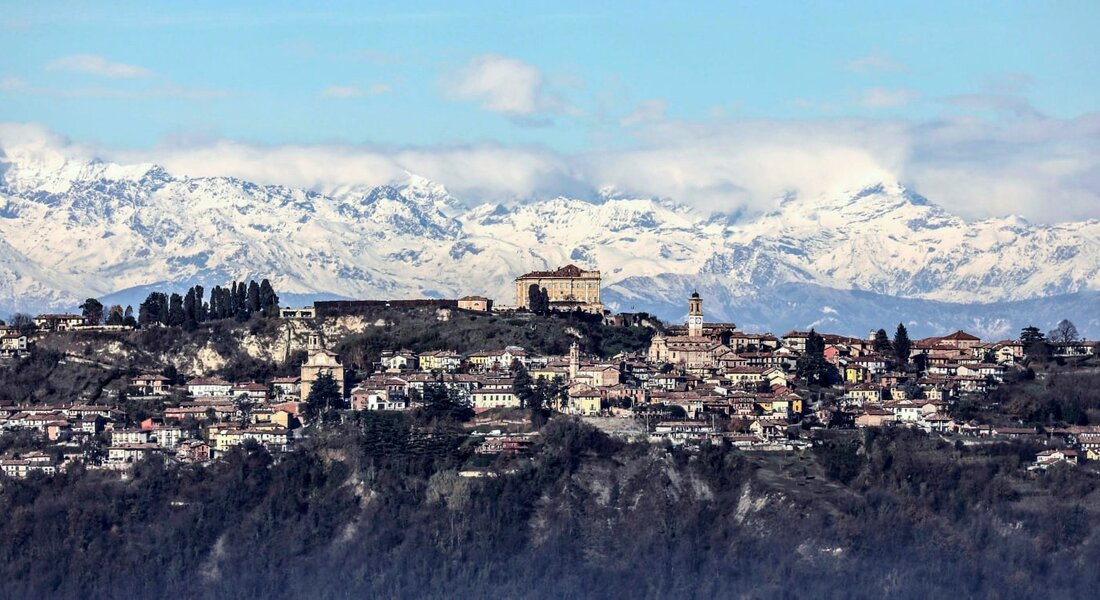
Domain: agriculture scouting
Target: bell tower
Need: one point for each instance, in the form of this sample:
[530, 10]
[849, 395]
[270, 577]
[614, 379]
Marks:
[695, 315]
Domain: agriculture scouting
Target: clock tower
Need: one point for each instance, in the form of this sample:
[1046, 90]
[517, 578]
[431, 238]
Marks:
[695, 315]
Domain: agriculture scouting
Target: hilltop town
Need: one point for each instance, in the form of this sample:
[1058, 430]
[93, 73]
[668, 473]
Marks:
[684, 384]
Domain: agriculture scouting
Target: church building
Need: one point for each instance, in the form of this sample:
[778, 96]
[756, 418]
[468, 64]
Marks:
[319, 360]
[696, 343]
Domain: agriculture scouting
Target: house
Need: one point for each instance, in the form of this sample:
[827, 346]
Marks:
[209, 386]
[512, 444]
[873, 416]
[59, 322]
[1089, 443]
[679, 431]
[377, 399]
[495, 393]
[906, 411]
[226, 438]
[22, 468]
[252, 391]
[396, 361]
[1074, 349]
[863, 393]
[442, 361]
[193, 451]
[122, 456]
[584, 400]
[478, 303]
[286, 387]
[498, 360]
[167, 436]
[121, 437]
[151, 384]
[796, 340]
[935, 423]
[1048, 458]
[12, 343]
[769, 429]
[306, 312]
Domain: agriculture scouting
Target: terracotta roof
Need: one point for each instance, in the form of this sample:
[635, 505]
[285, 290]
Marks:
[566, 271]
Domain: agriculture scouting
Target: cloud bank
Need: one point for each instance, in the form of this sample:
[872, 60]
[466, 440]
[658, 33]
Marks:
[1045, 169]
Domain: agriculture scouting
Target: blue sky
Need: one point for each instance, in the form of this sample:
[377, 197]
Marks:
[571, 82]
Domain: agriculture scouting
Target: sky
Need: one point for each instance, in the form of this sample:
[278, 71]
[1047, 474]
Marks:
[988, 108]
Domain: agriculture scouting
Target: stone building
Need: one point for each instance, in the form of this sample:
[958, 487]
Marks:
[320, 361]
[568, 287]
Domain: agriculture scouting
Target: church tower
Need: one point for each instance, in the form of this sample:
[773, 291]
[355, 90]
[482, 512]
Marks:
[574, 360]
[695, 315]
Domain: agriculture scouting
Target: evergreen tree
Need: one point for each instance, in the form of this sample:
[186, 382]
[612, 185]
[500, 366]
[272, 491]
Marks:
[253, 297]
[812, 365]
[269, 300]
[902, 345]
[441, 402]
[128, 317]
[92, 310]
[521, 386]
[176, 315]
[324, 397]
[154, 310]
[189, 309]
[882, 343]
[534, 299]
[200, 305]
[1031, 334]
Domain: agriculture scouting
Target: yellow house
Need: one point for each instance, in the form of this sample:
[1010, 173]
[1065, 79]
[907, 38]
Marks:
[855, 373]
[584, 400]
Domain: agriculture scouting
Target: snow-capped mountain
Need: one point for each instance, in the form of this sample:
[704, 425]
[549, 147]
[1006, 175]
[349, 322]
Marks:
[73, 228]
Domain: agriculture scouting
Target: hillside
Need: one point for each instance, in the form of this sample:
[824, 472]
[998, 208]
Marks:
[79, 365]
[376, 509]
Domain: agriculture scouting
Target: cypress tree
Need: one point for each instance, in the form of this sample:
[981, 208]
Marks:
[902, 345]
[253, 297]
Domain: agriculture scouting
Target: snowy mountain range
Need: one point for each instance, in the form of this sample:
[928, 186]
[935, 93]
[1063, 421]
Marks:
[74, 228]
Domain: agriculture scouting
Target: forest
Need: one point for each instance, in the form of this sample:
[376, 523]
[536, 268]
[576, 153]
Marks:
[375, 506]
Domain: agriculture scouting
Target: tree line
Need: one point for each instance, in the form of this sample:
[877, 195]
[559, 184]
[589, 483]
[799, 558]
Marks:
[237, 301]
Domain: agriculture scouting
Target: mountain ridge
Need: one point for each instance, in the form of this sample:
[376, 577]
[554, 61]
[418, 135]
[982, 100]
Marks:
[74, 228]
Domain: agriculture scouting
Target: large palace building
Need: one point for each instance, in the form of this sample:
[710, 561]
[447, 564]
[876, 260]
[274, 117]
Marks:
[568, 287]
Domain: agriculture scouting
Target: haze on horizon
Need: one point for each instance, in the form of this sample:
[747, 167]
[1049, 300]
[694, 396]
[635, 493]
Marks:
[987, 110]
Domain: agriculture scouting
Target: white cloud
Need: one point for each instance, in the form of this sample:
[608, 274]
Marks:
[341, 91]
[13, 84]
[648, 111]
[1045, 169]
[887, 98]
[874, 63]
[378, 89]
[93, 64]
[504, 85]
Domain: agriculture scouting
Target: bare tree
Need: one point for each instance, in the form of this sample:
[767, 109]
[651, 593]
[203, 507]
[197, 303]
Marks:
[23, 322]
[1065, 331]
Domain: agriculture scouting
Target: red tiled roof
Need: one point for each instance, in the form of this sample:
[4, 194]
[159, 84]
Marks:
[566, 271]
